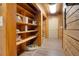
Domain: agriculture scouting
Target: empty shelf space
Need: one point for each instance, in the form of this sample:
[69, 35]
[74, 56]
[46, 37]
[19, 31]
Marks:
[25, 40]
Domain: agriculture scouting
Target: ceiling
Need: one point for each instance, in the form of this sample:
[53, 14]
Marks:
[45, 7]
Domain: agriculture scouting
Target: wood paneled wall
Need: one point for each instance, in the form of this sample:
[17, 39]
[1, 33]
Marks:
[60, 26]
[59, 13]
[44, 9]
[71, 32]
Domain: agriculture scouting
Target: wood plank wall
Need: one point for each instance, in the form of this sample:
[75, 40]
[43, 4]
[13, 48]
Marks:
[60, 25]
[71, 32]
[44, 9]
[40, 19]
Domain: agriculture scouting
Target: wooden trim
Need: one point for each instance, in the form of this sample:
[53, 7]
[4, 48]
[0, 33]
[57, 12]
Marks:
[9, 14]
[40, 19]
[47, 28]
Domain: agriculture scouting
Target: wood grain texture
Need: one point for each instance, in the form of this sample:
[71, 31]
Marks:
[9, 15]
[73, 9]
[71, 45]
[68, 9]
[1, 41]
[32, 29]
[71, 34]
[2, 34]
[27, 13]
[74, 17]
[40, 20]
[60, 27]
[74, 25]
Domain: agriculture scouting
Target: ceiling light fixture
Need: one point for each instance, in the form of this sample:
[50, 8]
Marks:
[52, 8]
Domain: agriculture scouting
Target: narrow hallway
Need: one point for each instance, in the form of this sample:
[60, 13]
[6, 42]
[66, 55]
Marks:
[51, 46]
[39, 29]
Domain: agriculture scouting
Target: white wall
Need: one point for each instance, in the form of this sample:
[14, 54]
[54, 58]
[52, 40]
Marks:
[53, 27]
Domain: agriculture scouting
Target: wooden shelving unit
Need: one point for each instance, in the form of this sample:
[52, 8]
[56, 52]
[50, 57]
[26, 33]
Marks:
[27, 31]
[26, 6]
[21, 24]
[26, 27]
[25, 40]
[27, 12]
[29, 24]
[23, 16]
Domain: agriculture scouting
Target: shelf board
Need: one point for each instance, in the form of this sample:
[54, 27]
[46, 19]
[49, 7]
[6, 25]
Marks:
[27, 31]
[20, 14]
[26, 6]
[35, 5]
[27, 12]
[23, 16]
[25, 40]
[29, 24]
[22, 23]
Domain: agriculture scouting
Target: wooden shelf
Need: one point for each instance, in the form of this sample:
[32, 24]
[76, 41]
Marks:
[28, 13]
[13, 15]
[26, 6]
[27, 31]
[23, 16]
[20, 14]
[29, 24]
[25, 40]
[22, 23]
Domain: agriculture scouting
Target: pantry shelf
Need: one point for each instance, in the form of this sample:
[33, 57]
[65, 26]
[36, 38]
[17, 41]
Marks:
[28, 26]
[22, 23]
[25, 40]
[27, 31]
[22, 27]
[23, 16]
[28, 13]
[26, 6]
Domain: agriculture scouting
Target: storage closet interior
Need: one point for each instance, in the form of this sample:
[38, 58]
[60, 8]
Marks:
[26, 26]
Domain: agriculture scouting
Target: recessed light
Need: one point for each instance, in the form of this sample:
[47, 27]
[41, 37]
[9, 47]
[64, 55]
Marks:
[52, 8]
